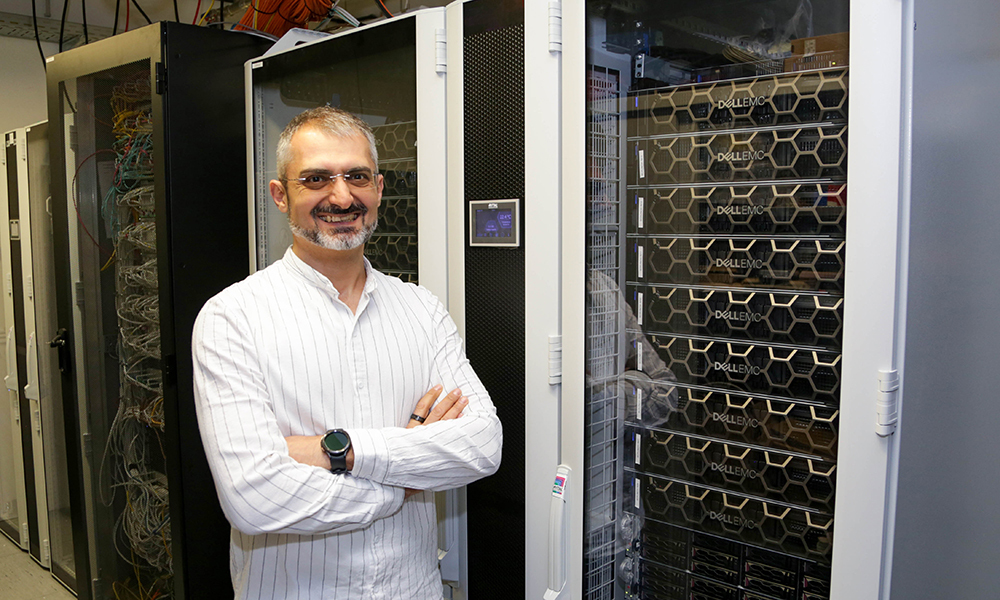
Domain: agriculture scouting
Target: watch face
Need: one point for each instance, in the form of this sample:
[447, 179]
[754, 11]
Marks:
[336, 441]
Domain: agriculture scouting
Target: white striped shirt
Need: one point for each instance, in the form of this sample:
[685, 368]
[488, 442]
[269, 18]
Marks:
[279, 354]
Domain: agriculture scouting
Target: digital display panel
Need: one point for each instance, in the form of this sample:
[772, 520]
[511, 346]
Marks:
[494, 223]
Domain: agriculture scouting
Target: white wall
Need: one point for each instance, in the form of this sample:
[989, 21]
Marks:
[22, 83]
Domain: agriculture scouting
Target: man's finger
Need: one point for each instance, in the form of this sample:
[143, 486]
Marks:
[423, 407]
[456, 409]
[443, 406]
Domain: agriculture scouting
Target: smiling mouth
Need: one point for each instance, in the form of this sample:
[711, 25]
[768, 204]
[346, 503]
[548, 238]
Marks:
[328, 218]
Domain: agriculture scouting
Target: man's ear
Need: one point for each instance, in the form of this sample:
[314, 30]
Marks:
[278, 194]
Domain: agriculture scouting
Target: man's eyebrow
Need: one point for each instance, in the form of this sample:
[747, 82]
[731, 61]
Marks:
[321, 171]
[307, 172]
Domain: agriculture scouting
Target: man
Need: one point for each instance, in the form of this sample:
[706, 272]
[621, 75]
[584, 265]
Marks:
[307, 380]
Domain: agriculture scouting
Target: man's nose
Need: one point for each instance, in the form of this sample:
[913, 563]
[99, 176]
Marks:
[339, 191]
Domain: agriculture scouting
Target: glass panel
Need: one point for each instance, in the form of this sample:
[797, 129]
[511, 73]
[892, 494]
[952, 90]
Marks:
[112, 190]
[49, 380]
[716, 177]
[372, 74]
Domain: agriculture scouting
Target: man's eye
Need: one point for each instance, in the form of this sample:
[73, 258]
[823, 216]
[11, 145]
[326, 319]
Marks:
[364, 177]
[314, 178]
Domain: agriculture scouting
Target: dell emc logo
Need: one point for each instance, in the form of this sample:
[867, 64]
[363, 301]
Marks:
[746, 155]
[745, 102]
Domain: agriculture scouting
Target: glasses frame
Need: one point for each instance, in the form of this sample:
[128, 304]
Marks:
[331, 178]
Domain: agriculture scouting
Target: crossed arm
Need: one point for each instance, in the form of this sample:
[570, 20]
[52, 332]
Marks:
[306, 449]
[268, 483]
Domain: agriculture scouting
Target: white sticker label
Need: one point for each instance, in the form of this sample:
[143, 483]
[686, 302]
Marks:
[638, 505]
[257, 65]
[638, 404]
[642, 203]
[638, 307]
[638, 449]
[642, 164]
[638, 252]
[638, 356]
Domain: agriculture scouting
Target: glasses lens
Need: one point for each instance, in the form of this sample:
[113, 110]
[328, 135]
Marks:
[315, 182]
[359, 179]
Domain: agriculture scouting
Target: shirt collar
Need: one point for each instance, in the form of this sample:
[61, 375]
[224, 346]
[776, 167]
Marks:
[311, 275]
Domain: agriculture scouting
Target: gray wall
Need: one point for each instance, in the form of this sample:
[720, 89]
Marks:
[947, 543]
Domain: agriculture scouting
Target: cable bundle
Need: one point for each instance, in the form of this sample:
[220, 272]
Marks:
[134, 456]
[277, 17]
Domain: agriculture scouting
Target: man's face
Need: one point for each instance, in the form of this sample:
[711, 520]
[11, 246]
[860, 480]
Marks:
[341, 215]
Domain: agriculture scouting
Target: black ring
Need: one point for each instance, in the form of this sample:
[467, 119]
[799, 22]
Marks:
[417, 418]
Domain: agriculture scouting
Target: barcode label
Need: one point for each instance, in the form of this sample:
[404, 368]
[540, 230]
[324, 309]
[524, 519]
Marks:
[642, 164]
[638, 252]
[638, 449]
[642, 210]
[638, 356]
[636, 502]
[638, 307]
[638, 404]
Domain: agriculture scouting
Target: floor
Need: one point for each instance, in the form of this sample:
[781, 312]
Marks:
[21, 578]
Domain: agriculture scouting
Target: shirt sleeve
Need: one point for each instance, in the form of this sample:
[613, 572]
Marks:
[445, 454]
[261, 488]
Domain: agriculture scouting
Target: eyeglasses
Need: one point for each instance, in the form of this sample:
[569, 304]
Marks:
[362, 179]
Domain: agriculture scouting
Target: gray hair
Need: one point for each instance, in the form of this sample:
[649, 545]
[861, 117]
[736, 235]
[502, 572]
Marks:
[330, 120]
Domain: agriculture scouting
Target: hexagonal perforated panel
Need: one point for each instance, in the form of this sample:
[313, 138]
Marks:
[755, 368]
[786, 478]
[801, 319]
[794, 531]
[817, 96]
[804, 209]
[817, 152]
[773, 423]
[396, 140]
[794, 264]
[393, 255]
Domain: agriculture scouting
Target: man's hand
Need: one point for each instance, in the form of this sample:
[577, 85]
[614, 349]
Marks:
[448, 408]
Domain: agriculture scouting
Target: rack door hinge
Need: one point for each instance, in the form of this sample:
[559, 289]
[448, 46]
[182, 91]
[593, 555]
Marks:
[887, 405]
[555, 359]
[161, 78]
[440, 51]
[555, 26]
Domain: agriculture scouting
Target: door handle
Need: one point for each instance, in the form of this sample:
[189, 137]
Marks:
[61, 342]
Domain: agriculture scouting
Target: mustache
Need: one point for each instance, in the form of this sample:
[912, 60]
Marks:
[329, 209]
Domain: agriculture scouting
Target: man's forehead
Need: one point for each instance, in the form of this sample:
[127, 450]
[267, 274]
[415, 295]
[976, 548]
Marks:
[310, 139]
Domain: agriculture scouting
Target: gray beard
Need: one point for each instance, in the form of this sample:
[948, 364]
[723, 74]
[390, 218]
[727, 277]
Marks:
[334, 241]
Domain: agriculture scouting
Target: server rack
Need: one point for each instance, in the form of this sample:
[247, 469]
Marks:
[726, 356]
[17, 521]
[43, 386]
[147, 142]
[393, 75]
[31, 184]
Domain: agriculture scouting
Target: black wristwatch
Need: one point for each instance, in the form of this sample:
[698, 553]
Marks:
[336, 443]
